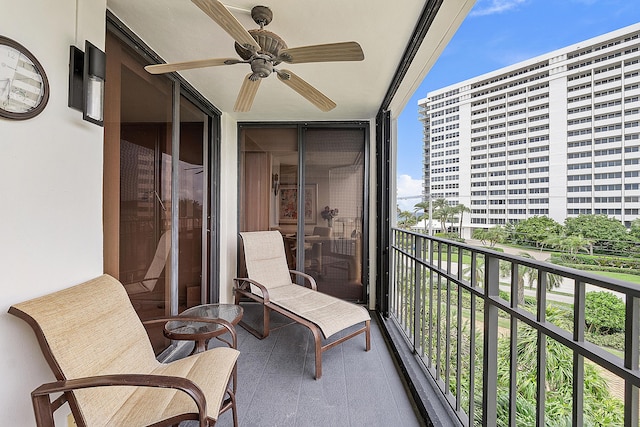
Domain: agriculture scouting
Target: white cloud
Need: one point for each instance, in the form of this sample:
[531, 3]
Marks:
[408, 187]
[491, 7]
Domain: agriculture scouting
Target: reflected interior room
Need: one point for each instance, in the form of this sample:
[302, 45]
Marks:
[329, 163]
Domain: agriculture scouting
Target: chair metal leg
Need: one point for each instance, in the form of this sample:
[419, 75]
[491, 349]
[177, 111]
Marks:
[234, 411]
[368, 335]
[43, 411]
[266, 320]
[318, 344]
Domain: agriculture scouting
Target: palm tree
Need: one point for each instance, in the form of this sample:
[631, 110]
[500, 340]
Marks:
[574, 244]
[442, 211]
[478, 271]
[461, 209]
[406, 219]
[439, 203]
[569, 244]
[424, 207]
[600, 406]
[552, 241]
[531, 276]
[495, 235]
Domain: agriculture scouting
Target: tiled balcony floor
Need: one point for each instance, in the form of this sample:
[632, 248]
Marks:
[276, 385]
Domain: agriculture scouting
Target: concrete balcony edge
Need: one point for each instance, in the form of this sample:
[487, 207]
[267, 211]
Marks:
[430, 401]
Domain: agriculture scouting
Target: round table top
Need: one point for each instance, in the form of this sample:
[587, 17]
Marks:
[178, 329]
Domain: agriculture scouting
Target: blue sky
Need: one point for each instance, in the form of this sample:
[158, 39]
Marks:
[495, 34]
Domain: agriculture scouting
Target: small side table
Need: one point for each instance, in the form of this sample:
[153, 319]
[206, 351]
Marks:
[202, 332]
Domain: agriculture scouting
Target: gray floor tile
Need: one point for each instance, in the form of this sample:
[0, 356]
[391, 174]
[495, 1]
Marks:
[276, 385]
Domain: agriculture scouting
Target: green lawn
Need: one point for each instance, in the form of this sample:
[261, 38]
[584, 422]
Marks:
[633, 278]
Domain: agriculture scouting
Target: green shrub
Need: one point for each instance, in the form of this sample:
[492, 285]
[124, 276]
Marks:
[528, 300]
[601, 261]
[615, 340]
[599, 268]
[604, 313]
[450, 236]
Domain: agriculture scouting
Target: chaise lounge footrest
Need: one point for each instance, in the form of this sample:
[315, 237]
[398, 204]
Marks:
[269, 283]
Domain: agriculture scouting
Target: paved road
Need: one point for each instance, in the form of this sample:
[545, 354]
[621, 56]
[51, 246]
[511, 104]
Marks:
[537, 254]
[565, 287]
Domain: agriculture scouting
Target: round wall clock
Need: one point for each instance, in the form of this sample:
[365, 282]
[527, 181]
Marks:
[24, 88]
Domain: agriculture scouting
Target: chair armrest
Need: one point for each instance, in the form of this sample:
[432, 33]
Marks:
[43, 408]
[243, 283]
[225, 324]
[308, 278]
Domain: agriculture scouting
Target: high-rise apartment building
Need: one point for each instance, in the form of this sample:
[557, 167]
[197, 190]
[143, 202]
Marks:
[556, 135]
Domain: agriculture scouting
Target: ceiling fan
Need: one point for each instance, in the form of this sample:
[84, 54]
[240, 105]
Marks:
[264, 50]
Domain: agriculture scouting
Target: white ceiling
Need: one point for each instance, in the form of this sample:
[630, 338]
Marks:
[178, 30]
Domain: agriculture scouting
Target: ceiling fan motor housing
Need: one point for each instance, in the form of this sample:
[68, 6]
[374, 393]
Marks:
[270, 44]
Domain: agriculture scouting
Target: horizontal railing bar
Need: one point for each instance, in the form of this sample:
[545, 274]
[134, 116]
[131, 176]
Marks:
[612, 284]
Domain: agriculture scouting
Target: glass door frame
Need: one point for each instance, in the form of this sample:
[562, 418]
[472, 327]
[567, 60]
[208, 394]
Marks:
[301, 127]
[210, 289]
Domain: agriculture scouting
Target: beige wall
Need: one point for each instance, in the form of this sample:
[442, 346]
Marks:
[228, 205]
[50, 191]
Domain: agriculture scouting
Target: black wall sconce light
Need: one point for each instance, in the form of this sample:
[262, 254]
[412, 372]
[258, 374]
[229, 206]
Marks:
[87, 74]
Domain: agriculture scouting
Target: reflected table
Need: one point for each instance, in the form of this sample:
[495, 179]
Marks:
[201, 332]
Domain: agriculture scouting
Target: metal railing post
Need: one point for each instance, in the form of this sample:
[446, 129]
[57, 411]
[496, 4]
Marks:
[417, 308]
[631, 354]
[541, 364]
[579, 293]
[490, 359]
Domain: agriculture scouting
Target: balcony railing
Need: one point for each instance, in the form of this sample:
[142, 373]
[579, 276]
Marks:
[503, 344]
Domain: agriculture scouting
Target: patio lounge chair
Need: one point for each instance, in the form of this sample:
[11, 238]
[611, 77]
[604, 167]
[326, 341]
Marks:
[269, 283]
[105, 367]
[148, 283]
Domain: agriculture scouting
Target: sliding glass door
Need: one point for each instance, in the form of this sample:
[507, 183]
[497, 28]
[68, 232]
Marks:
[334, 169]
[157, 205]
[308, 182]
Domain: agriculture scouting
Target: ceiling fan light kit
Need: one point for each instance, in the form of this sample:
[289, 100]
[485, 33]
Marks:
[264, 50]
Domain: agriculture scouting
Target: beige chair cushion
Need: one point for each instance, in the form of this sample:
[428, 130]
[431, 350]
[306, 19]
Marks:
[330, 314]
[267, 265]
[263, 253]
[92, 329]
[210, 370]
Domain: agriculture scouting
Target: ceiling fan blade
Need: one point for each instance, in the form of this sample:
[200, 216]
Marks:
[312, 94]
[345, 51]
[247, 94]
[221, 15]
[188, 65]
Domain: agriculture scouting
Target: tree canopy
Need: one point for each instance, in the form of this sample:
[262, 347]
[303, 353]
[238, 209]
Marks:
[406, 219]
[608, 235]
[535, 230]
